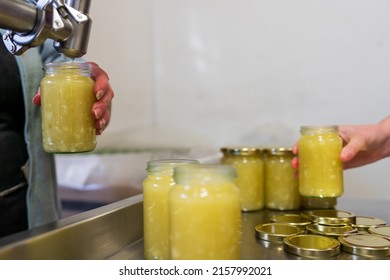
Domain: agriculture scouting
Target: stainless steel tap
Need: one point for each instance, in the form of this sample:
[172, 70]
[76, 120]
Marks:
[30, 23]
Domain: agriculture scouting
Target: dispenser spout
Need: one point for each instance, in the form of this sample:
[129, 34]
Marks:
[30, 23]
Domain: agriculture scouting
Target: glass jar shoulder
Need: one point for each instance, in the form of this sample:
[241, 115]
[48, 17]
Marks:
[204, 191]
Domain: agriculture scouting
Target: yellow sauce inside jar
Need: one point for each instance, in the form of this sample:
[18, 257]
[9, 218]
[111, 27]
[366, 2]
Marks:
[281, 184]
[249, 166]
[320, 167]
[67, 98]
[205, 216]
[156, 188]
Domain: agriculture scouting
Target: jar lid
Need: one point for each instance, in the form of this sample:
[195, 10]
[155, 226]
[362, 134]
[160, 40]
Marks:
[365, 245]
[291, 219]
[333, 231]
[381, 230]
[332, 217]
[279, 151]
[276, 231]
[363, 223]
[241, 151]
[312, 246]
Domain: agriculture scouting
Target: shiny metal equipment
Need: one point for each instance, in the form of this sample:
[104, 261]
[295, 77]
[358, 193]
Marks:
[30, 23]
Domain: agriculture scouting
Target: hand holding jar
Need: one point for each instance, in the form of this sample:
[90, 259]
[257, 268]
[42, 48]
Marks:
[101, 109]
[362, 144]
[75, 106]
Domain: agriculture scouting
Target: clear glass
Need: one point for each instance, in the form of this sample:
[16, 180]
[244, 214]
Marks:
[309, 202]
[281, 184]
[249, 166]
[205, 214]
[156, 187]
[67, 97]
[320, 167]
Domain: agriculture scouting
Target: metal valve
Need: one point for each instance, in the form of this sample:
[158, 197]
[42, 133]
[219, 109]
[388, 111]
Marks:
[30, 23]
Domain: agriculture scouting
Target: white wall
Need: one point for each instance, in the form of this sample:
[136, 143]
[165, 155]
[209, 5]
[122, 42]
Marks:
[221, 72]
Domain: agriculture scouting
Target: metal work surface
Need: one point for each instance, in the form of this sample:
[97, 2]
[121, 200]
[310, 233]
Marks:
[115, 232]
[96, 234]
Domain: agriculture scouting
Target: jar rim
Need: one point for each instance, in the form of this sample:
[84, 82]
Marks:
[242, 151]
[204, 170]
[319, 128]
[67, 65]
[279, 151]
[156, 165]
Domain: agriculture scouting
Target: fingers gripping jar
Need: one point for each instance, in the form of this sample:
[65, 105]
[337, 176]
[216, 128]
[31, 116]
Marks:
[249, 166]
[320, 166]
[205, 214]
[156, 188]
[281, 184]
[67, 97]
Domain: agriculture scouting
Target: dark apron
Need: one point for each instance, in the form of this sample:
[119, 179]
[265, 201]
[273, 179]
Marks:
[13, 151]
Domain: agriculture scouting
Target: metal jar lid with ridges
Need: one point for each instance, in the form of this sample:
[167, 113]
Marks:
[291, 219]
[276, 231]
[312, 246]
[332, 231]
[363, 223]
[369, 245]
[332, 217]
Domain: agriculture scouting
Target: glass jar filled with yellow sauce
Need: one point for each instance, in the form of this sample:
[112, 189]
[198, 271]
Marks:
[67, 97]
[249, 165]
[281, 183]
[320, 166]
[204, 213]
[156, 188]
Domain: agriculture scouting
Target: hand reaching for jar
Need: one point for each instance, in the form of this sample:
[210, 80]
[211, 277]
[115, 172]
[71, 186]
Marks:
[362, 144]
[101, 109]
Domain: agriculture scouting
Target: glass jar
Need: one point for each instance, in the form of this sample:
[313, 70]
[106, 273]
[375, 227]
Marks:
[320, 166]
[249, 166]
[156, 187]
[281, 184]
[205, 215]
[67, 97]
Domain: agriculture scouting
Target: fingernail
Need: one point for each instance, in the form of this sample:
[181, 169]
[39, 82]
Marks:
[98, 113]
[99, 94]
[102, 124]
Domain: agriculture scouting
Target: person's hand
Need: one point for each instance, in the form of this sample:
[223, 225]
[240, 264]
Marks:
[101, 109]
[363, 144]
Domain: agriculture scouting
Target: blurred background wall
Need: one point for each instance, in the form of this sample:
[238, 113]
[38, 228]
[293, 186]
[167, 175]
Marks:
[211, 73]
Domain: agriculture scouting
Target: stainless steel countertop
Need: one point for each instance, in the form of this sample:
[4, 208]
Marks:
[115, 231]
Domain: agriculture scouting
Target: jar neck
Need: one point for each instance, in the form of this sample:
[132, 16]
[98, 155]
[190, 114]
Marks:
[69, 68]
[280, 151]
[166, 166]
[204, 174]
[319, 129]
[241, 151]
